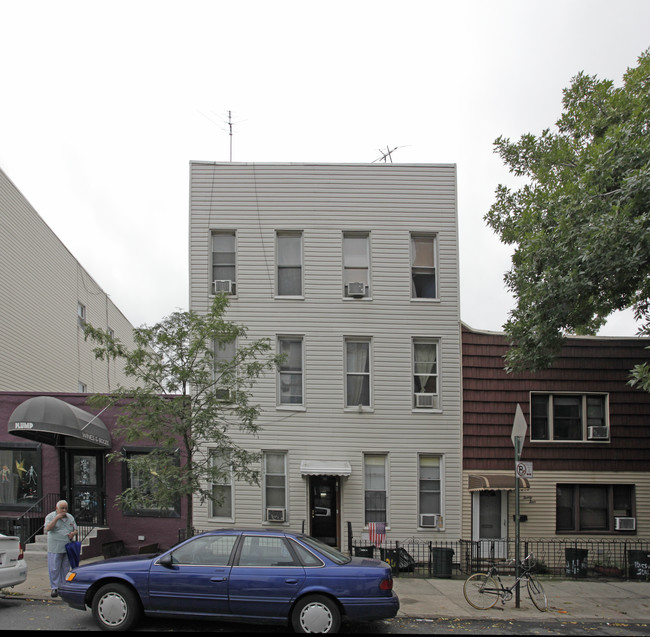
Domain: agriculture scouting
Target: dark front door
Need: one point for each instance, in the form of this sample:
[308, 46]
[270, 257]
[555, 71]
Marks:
[84, 486]
[323, 505]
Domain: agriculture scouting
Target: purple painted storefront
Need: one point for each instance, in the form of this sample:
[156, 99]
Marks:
[46, 456]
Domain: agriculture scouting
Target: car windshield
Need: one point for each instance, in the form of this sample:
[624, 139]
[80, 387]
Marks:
[329, 551]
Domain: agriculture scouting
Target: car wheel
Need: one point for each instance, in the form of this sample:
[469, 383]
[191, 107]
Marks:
[316, 614]
[116, 607]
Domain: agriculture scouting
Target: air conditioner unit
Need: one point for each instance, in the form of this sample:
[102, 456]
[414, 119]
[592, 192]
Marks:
[276, 514]
[625, 524]
[424, 400]
[357, 289]
[429, 519]
[597, 433]
[224, 286]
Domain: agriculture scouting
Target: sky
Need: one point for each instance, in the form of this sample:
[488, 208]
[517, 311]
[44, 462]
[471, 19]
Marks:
[104, 105]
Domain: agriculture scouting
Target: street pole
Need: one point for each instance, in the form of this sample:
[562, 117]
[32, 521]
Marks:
[518, 434]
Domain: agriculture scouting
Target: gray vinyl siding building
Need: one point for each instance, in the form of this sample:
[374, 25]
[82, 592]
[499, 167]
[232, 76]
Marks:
[42, 290]
[354, 269]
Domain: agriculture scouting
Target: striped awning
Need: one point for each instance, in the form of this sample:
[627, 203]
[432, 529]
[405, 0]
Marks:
[325, 468]
[496, 482]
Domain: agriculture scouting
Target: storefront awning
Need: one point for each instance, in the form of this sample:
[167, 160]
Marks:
[54, 422]
[325, 468]
[496, 482]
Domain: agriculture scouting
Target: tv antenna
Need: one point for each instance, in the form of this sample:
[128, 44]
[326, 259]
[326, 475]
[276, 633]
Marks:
[386, 155]
[229, 124]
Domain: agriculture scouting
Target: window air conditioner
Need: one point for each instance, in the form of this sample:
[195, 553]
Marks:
[224, 286]
[357, 289]
[424, 400]
[597, 433]
[625, 524]
[429, 519]
[275, 515]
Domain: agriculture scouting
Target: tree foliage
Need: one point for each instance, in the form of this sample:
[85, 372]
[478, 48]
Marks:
[580, 224]
[184, 397]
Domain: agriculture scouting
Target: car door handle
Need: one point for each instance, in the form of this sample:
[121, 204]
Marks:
[291, 581]
[218, 579]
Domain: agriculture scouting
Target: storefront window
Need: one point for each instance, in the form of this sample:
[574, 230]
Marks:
[20, 475]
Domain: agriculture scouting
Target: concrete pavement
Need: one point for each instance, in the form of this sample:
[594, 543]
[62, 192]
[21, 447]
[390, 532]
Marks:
[616, 601]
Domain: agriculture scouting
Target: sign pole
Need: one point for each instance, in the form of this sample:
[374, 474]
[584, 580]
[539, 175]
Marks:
[518, 434]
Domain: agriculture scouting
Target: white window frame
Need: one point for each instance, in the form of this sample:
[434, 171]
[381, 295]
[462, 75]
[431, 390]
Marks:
[81, 314]
[439, 458]
[424, 269]
[417, 372]
[214, 454]
[349, 403]
[280, 265]
[217, 358]
[366, 489]
[355, 270]
[584, 416]
[266, 474]
[230, 234]
[286, 338]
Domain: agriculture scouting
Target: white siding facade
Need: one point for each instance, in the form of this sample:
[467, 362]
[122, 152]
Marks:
[42, 346]
[388, 202]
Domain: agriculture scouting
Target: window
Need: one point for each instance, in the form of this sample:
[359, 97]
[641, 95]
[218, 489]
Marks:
[289, 260]
[225, 372]
[357, 372]
[356, 264]
[423, 266]
[81, 314]
[425, 374]
[223, 262]
[429, 486]
[265, 551]
[81, 387]
[592, 508]
[275, 482]
[374, 471]
[221, 502]
[207, 550]
[20, 475]
[563, 417]
[290, 391]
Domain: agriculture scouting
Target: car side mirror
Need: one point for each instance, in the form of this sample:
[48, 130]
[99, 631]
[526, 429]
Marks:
[166, 560]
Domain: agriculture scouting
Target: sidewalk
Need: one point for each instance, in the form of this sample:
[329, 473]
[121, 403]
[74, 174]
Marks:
[615, 601]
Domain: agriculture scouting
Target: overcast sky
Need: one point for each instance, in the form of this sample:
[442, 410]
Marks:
[104, 104]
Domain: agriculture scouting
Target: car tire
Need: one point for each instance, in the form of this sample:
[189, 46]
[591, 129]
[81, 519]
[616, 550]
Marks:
[116, 607]
[316, 614]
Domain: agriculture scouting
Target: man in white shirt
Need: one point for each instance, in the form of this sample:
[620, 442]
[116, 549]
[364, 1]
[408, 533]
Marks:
[61, 528]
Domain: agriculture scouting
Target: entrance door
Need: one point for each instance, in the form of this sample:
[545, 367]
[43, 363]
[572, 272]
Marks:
[490, 522]
[84, 486]
[323, 507]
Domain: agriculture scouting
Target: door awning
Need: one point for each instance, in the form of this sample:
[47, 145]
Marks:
[496, 482]
[325, 468]
[54, 422]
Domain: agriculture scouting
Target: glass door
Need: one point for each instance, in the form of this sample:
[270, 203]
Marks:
[323, 505]
[85, 486]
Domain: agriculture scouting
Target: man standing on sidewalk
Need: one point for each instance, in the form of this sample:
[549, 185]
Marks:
[61, 528]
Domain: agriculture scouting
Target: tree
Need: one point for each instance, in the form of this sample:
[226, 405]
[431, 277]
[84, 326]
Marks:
[185, 395]
[580, 224]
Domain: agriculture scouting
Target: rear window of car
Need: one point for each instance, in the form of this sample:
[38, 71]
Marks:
[306, 556]
[328, 551]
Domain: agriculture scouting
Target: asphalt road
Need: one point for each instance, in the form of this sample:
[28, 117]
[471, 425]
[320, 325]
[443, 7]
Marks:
[24, 614]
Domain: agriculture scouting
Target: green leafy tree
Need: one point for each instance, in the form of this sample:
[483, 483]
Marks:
[184, 397]
[580, 223]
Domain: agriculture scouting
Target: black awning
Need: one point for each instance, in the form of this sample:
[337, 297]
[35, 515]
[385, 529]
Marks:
[53, 421]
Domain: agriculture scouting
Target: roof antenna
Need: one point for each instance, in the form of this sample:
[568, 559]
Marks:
[386, 154]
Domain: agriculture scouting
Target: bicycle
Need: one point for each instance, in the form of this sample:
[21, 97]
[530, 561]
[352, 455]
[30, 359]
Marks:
[482, 590]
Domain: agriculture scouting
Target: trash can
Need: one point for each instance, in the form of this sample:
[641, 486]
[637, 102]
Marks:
[442, 561]
[576, 562]
[398, 558]
[364, 551]
[639, 564]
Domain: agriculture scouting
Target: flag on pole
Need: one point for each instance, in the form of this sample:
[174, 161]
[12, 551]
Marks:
[376, 532]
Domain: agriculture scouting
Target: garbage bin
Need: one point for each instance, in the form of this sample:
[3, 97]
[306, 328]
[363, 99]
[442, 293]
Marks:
[442, 561]
[398, 558]
[364, 551]
[576, 562]
[639, 564]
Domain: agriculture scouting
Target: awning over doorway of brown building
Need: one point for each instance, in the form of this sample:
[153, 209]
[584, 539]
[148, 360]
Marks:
[325, 468]
[496, 482]
[52, 421]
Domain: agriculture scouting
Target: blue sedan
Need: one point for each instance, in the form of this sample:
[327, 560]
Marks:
[252, 576]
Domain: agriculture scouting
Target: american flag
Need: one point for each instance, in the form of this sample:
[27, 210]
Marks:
[376, 532]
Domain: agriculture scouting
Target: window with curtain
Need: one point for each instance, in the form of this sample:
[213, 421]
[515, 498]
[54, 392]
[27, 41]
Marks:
[356, 261]
[290, 386]
[275, 480]
[375, 488]
[423, 266]
[221, 502]
[357, 371]
[224, 371]
[289, 263]
[223, 262]
[429, 484]
[425, 374]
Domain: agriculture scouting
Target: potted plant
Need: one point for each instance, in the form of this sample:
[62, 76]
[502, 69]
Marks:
[605, 566]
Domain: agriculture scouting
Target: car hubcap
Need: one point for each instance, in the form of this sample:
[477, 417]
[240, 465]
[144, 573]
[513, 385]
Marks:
[316, 618]
[112, 609]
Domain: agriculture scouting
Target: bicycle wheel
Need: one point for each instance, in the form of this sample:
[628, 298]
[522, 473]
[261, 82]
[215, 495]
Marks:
[481, 591]
[537, 594]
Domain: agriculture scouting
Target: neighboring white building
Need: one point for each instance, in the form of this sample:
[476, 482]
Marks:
[352, 271]
[45, 297]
